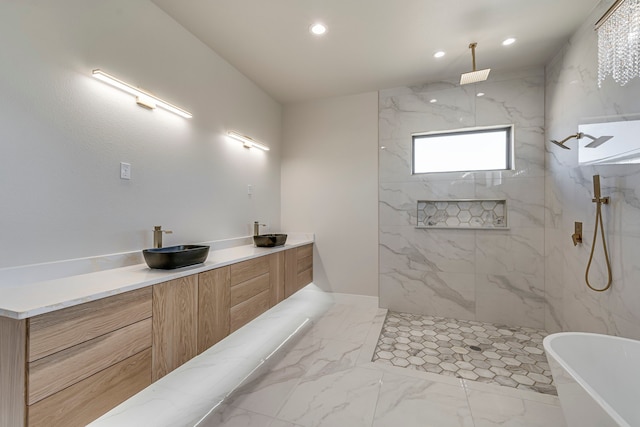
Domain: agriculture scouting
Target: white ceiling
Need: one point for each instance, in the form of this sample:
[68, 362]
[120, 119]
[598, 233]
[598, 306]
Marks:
[374, 44]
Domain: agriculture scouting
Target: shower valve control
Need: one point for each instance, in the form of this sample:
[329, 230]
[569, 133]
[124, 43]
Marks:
[577, 233]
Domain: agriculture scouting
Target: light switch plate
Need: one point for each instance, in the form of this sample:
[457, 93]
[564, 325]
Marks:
[125, 170]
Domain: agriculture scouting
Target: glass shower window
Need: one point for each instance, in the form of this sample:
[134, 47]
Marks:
[477, 149]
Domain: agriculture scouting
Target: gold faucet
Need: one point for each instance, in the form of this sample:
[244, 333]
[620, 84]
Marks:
[256, 228]
[157, 235]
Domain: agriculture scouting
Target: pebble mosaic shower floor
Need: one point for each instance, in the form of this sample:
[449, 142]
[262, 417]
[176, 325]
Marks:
[476, 351]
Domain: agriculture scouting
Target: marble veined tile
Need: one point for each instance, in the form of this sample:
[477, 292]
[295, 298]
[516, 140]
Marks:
[512, 299]
[346, 398]
[434, 293]
[280, 423]
[405, 248]
[518, 250]
[495, 410]
[335, 356]
[228, 416]
[410, 402]
[345, 322]
[267, 393]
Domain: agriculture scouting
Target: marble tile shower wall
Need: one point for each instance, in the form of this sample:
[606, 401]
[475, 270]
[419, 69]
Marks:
[485, 275]
[572, 97]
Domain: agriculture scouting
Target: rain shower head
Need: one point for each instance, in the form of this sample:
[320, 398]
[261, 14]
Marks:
[595, 143]
[475, 75]
[561, 143]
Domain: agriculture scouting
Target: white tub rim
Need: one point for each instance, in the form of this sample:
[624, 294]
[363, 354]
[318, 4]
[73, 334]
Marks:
[578, 378]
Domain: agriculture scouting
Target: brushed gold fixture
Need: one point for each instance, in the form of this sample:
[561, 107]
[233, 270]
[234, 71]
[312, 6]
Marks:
[577, 233]
[599, 201]
[475, 75]
[157, 235]
[595, 143]
[256, 228]
[143, 98]
[247, 141]
[608, 13]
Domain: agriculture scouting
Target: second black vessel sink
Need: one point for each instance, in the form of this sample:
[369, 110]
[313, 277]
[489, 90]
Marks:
[269, 240]
[175, 256]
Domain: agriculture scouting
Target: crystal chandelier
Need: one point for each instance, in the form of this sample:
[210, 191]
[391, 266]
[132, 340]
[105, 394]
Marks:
[619, 42]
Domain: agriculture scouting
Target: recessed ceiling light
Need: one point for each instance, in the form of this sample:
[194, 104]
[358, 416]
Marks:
[318, 29]
[439, 54]
[433, 101]
[508, 41]
[480, 94]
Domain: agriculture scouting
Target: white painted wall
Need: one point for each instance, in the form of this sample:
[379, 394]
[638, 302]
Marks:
[64, 134]
[329, 186]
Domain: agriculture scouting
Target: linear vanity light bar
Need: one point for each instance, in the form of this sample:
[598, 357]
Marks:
[247, 141]
[143, 98]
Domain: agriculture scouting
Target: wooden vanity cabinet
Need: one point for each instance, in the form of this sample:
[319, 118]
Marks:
[175, 324]
[250, 291]
[70, 366]
[213, 307]
[298, 269]
[84, 360]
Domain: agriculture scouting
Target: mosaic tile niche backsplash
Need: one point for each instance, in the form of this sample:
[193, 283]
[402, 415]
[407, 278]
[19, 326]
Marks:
[462, 214]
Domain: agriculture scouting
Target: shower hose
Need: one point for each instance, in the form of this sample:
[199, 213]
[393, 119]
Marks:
[593, 246]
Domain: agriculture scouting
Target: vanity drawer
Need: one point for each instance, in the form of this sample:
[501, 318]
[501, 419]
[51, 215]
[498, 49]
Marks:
[305, 251]
[59, 330]
[53, 373]
[246, 270]
[94, 396]
[248, 310]
[243, 291]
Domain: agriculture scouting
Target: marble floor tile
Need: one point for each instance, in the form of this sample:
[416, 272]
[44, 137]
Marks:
[267, 393]
[228, 416]
[346, 398]
[280, 423]
[496, 410]
[335, 356]
[410, 402]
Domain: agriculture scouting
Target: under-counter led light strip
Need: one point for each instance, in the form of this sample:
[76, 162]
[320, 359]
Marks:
[144, 99]
[248, 142]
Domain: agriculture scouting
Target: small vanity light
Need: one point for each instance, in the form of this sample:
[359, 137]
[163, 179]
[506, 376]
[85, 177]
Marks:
[433, 100]
[144, 99]
[479, 94]
[318, 29]
[439, 54]
[247, 141]
[508, 41]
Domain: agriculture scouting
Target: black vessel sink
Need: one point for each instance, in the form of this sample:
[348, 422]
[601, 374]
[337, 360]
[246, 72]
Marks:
[175, 256]
[269, 240]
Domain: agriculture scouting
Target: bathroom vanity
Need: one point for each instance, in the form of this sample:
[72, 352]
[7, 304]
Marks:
[65, 362]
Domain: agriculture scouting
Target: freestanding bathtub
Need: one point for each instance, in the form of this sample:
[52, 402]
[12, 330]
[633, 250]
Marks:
[597, 377]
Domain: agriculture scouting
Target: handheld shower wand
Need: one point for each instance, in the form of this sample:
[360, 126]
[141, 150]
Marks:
[599, 201]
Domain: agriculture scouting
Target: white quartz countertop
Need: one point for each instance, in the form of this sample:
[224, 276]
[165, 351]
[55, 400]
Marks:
[24, 300]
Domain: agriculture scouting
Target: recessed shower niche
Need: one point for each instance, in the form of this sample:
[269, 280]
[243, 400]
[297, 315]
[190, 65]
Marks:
[467, 214]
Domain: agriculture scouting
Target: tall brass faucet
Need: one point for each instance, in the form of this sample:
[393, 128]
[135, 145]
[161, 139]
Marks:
[157, 235]
[256, 228]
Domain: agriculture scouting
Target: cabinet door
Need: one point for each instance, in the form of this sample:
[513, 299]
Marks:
[276, 277]
[12, 373]
[213, 307]
[175, 324]
[298, 269]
